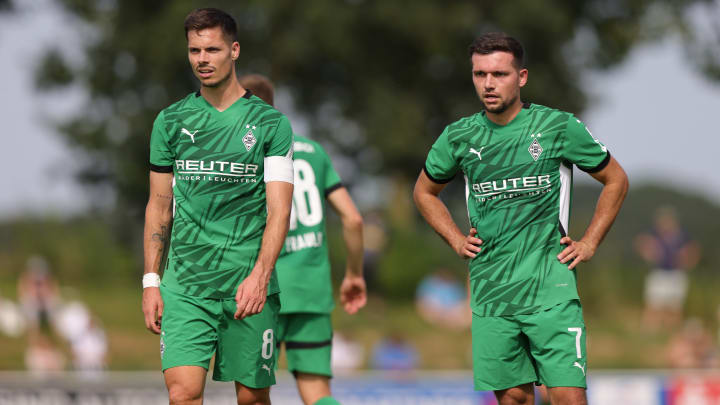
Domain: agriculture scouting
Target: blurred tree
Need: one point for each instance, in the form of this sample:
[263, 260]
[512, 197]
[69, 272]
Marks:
[377, 79]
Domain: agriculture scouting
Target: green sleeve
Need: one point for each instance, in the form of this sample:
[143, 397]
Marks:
[440, 165]
[582, 148]
[162, 156]
[281, 141]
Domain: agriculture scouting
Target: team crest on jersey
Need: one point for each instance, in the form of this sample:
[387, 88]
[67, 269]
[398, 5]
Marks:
[249, 139]
[535, 149]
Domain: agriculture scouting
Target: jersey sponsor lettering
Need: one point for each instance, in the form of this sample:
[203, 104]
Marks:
[220, 210]
[518, 185]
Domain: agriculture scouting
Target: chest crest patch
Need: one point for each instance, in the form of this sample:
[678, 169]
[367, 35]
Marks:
[535, 149]
[249, 139]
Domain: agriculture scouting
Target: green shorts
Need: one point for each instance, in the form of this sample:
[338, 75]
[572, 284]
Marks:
[308, 342]
[546, 347]
[195, 328]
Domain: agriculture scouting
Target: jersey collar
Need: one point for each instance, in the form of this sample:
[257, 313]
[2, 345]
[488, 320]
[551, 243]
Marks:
[519, 118]
[204, 103]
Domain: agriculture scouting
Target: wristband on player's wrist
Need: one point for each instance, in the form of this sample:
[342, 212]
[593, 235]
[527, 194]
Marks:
[150, 280]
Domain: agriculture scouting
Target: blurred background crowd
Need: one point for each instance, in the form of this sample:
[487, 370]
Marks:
[375, 82]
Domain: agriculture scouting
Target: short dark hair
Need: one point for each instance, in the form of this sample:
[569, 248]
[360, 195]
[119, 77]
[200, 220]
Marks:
[202, 18]
[260, 86]
[498, 42]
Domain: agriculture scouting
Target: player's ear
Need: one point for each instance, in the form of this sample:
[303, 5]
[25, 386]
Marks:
[235, 50]
[522, 77]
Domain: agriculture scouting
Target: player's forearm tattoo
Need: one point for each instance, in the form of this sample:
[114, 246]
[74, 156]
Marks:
[164, 196]
[162, 238]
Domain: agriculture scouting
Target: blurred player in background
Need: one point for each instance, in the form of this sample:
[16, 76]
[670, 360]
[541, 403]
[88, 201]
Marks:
[304, 267]
[231, 158]
[517, 161]
[672, 253]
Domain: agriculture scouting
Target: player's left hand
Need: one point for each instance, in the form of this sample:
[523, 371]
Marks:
[353, 294]
[250, 297]
[577, 251]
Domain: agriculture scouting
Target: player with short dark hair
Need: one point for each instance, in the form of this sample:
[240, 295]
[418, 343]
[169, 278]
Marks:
[221, 161]
[260, 85]
[203, 18]
[517, 161]
[304, 266]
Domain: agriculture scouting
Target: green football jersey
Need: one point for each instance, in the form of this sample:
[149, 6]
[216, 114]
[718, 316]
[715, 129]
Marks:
[218, 160]
[518, 181]
[303, 266]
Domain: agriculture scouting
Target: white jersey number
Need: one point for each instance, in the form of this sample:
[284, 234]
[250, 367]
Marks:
[268, 344]
[578, 334]
[307, 205]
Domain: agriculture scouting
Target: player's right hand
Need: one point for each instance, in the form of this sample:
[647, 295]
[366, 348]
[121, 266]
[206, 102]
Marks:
[250, 297]
[469, 247]
[152, 306]
[353, 293]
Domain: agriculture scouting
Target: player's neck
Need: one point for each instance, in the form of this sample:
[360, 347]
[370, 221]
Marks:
[506, 116]
[224, 95]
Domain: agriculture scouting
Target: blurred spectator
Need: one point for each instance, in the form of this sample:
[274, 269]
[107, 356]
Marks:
[394, 353]
[692, 347]
[346, 354]
[88, 343]
[12, 322]
[47, 317]
[374, 240]
[72, 320]
[671, 252]
[43, 356]
[442, 300]
[90, 349]
[38, 295]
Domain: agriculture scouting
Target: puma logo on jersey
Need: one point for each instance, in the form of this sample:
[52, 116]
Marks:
[472, 150]
[190, 134]
[576, 364]
[266, 367]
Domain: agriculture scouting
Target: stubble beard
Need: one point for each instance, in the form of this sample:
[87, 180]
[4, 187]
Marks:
[502, 107]
[220, 82]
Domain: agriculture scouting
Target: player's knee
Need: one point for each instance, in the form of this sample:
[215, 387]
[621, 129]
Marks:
[249, 396]
[568, 396]
[182, 394]
[514, 396]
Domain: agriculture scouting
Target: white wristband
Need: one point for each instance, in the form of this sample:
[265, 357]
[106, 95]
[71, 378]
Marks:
[151, 280]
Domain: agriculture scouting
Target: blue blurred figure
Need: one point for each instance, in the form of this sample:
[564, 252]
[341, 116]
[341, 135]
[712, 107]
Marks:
[394, 353]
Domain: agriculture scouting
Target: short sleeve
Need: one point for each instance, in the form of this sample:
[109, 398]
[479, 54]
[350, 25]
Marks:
[280, 142]
[583, 149]
[332, 178]
[162, 156]
[440, 165]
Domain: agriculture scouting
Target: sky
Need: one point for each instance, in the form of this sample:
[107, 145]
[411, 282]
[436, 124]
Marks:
[655, 113]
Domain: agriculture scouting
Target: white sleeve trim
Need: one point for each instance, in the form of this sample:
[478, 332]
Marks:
[279, 168]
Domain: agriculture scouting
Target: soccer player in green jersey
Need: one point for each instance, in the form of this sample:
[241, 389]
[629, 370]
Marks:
[304, 268]
[221, 160]
[517, 160]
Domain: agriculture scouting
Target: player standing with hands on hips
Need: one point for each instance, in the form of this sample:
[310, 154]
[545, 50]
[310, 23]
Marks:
[230, 155]
[517, 162]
